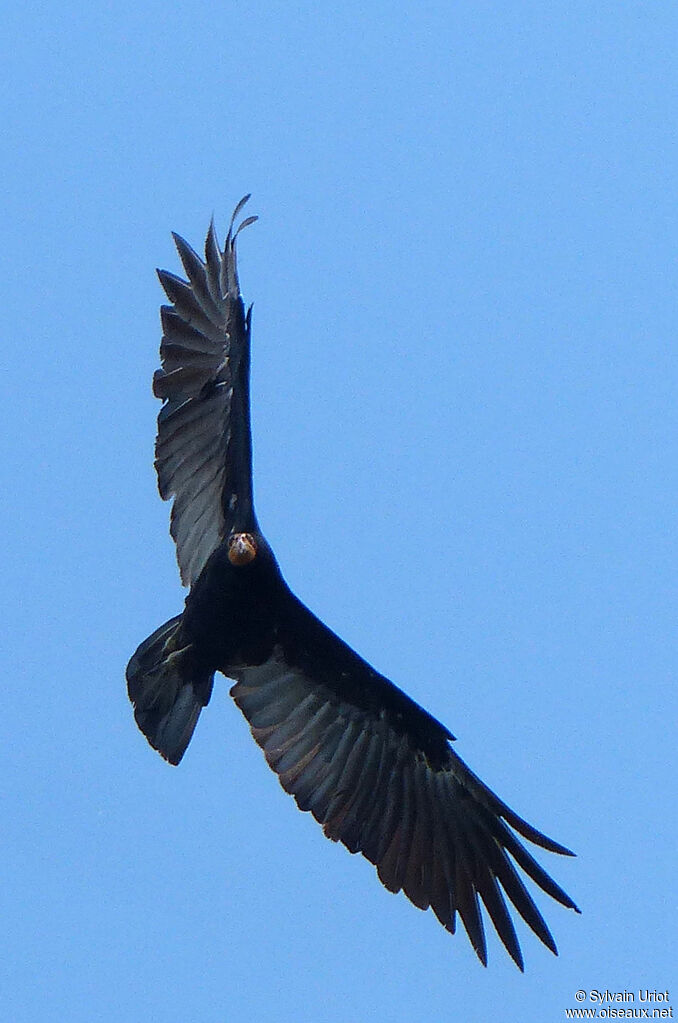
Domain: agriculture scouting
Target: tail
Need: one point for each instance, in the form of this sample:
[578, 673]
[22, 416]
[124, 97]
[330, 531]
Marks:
[167, 690]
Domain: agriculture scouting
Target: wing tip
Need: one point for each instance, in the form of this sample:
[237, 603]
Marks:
[238, 207]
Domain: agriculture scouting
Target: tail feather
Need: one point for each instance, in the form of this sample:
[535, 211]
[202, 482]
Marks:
[167, 691]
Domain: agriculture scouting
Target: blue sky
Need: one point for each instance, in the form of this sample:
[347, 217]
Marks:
[464, 354]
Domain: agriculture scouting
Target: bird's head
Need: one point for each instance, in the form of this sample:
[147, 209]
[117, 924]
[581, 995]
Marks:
[242, 549]
[249, 556]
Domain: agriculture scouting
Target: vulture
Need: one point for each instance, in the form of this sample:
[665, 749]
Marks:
[376, 770]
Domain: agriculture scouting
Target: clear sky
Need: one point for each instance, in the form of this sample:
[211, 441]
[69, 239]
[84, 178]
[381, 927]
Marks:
[464, 415]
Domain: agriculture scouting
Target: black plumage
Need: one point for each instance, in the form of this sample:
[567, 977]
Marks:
[375, 769]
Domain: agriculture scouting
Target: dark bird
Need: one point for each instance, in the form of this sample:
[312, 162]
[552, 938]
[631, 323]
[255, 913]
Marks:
[375, 769]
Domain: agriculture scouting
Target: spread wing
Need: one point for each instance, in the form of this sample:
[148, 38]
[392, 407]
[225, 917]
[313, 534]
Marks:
[203, 448]
[377, 771]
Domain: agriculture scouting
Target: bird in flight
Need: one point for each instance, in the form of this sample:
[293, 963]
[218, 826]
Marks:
[375, 769]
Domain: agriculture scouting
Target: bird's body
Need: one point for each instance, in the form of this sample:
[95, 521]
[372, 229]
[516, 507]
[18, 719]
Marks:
[372, 766]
